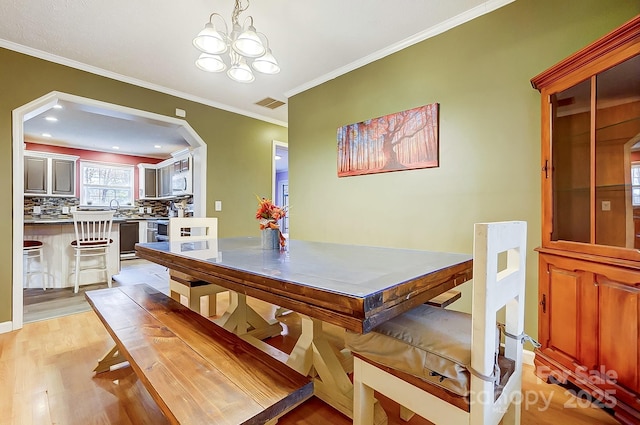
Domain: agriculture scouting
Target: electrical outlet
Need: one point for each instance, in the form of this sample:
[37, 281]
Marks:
[149, 210]
[65, 210]
[36, 209]
[606, 205]
[141, 210]
[218, 205]
[73, 209]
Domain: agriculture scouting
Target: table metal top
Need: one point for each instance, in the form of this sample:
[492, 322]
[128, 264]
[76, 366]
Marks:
[368, 284]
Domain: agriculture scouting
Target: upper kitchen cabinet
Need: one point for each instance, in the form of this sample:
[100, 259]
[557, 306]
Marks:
[166, 179]
[48, 174]
[147, 176]
[35, 175]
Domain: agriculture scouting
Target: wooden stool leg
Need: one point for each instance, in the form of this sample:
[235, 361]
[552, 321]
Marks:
[42, 274]
[106, 267]
[77, 276]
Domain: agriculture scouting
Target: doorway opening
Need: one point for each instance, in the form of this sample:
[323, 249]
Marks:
[24, 113]
[280, 179]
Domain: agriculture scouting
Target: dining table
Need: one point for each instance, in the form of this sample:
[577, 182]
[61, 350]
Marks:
[355, 287]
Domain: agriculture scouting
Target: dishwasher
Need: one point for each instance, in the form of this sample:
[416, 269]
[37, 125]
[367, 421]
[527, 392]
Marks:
[128, 239]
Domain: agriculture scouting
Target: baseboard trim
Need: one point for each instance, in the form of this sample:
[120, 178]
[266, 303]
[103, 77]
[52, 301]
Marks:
[6, 327]
[528, 356]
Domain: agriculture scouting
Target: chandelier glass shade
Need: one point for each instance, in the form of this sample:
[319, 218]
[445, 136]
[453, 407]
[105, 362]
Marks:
[235, 51]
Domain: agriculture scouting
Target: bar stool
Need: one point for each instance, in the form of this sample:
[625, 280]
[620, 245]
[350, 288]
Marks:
[33, 250]
[93, 239]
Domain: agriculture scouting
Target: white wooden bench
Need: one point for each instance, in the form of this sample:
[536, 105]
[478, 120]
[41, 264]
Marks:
[196, 371]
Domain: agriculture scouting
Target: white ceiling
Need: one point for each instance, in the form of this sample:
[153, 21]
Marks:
[148, 42]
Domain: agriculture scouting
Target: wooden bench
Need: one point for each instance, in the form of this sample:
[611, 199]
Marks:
[196, 371]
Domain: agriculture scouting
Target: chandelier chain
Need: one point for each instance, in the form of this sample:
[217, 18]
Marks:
[237, 10]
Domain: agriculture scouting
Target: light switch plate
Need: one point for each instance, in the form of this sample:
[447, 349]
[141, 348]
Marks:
[218, 205]
[65, 210]
[74, 209]
[149, 210]
[141, 210]
[606, 205]
[36, 209]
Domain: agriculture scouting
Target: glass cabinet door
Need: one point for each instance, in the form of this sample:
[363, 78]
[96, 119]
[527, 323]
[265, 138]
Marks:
[571, 163]
[595, 158]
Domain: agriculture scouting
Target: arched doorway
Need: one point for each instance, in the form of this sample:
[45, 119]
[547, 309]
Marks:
[48, 101]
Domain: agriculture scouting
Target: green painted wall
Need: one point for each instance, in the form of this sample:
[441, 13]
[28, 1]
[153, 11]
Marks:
[489, 133]
[239, 148]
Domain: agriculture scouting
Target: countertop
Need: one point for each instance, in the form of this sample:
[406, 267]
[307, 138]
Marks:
[55, 220]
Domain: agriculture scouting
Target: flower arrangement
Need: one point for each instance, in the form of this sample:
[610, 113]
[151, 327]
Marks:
[268, 215]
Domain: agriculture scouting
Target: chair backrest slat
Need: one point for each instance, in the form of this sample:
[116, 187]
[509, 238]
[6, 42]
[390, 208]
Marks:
[93, 226]
[199, 228]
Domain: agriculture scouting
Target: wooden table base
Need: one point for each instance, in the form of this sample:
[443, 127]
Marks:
[314, 356]
[241, 319]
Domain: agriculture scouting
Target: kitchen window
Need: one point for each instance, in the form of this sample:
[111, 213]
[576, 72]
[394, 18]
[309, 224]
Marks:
[101, 183]
[635, 183]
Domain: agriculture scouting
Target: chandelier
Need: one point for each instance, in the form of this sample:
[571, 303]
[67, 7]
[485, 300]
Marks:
[244, 46]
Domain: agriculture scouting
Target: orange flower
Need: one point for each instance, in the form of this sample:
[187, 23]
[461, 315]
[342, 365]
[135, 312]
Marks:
[268, 215]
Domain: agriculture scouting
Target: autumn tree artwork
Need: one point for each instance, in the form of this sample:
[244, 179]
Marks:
[400, 141]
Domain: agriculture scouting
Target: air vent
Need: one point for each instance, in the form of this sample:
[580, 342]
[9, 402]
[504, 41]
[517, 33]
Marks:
[270, 103]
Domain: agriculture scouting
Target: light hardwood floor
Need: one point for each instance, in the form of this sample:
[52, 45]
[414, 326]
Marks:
[42, 305]
[46, 378]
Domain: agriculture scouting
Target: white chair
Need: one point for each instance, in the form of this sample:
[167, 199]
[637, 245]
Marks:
[185, 229]
[32, 250]
[93, 239]
[472, 384]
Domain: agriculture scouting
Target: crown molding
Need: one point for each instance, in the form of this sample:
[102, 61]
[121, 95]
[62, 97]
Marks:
[488, 6]
[129, 80]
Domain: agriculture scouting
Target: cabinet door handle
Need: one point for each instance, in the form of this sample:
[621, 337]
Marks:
[543, 303]
[546, 169]
[615, 285]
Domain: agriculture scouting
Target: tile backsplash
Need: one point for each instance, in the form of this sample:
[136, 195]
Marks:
[60, 208]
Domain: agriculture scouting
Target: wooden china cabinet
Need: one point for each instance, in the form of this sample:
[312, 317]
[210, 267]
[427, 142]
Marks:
[589, 276]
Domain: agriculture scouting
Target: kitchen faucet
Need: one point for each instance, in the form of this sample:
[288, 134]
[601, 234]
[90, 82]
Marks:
[117, 204]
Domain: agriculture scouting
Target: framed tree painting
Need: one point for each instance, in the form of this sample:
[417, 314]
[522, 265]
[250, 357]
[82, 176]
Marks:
[401, 141]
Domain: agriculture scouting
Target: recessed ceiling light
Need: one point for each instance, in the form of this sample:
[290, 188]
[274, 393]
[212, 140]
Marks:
[278, 157]
[157, 146]
[51, 119]
[57, 106]
[46, 135]
[115, 147]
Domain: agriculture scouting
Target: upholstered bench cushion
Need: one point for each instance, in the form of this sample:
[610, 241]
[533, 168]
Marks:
[431, 343]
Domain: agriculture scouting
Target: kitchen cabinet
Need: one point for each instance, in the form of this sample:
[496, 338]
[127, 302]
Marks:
[150, 183]
[35, 175]
[63, 177]
[49, 174]
[164, 180]
[589, 268]
[155, 180]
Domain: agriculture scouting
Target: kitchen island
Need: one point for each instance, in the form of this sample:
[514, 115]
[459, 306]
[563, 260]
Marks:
[59, 261]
